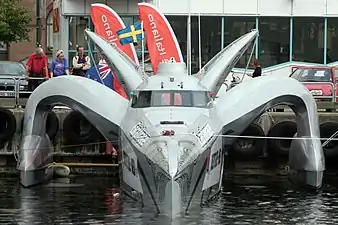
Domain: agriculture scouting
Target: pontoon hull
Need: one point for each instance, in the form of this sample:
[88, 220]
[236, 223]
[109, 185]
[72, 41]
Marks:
[31, 178]
[35, 160]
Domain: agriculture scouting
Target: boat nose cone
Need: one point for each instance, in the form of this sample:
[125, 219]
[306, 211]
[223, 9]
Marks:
[173, 157]
[33, 152]
[314, 179]
[172, 200]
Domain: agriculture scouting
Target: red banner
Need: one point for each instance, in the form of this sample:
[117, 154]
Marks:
[161, 40]
[107, 22]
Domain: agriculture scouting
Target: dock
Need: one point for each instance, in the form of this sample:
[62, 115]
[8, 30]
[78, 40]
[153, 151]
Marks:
[90, 153]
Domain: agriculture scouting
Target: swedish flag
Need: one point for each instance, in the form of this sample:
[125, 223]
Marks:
[131, 34]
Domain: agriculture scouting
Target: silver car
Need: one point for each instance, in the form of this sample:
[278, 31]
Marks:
[10, 73]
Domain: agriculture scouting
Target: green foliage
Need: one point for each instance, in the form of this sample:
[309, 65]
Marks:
[14, 21]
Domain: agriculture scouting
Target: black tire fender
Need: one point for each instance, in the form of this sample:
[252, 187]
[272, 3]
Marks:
[7, 125]
[327, 129]
[72, 129]
[257, 145]
[52, 125]
[286, 129]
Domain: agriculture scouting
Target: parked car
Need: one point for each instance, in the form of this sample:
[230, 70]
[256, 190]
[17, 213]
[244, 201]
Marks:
[320, 81]
[10, 72]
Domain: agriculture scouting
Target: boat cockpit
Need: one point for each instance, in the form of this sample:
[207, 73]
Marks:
[165, 98]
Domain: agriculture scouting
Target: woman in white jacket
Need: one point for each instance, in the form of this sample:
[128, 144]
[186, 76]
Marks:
[81, 62]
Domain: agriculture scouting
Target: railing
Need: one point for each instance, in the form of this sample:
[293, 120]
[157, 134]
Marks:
[8, 91]
[327, 102]
[14, 93]
[331, 97]
[23, 95]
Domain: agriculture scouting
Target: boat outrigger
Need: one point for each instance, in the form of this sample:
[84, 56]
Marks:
[171, 130]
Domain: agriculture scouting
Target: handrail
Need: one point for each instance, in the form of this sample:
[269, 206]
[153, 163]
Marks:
[6, 93]
[28, 92]
[333, 91]
[24, 78]
[17, 90]
[8, 98]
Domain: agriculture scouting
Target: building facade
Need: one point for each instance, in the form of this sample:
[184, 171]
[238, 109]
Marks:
[292, 32]
[40, 34]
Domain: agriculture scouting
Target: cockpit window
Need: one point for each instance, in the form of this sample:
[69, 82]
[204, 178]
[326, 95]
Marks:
[145, 99]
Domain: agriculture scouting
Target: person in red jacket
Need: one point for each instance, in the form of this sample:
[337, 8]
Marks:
[36, 67]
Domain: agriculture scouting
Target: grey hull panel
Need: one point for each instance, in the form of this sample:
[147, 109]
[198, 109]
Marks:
[307, 179]
[262, 93]
[35, 177]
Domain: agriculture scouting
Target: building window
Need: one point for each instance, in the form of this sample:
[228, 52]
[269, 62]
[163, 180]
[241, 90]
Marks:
[210, 40]
[77, 25]
[128, 20]
[194, 44]
[308, 40]
[210, 37]
[179, 25]
[50, 31]
[332, 40]
[274, 40]
[234, 27]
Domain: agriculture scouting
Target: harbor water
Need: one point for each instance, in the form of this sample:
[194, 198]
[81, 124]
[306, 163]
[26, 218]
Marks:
[245, 199]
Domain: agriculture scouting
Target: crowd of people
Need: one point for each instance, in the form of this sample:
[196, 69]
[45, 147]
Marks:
[37, 70]
[37, 66]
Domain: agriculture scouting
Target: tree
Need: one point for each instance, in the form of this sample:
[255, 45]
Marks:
[14, 21]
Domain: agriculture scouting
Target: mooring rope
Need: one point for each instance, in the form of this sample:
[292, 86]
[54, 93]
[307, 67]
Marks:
[326, 140]
[215, 135]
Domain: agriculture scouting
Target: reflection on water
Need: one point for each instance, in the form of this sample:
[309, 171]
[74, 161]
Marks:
[244, 200]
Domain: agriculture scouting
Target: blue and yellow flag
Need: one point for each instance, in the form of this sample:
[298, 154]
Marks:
[131, 34]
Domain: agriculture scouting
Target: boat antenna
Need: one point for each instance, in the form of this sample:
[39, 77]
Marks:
[90, 53]
[248, 63]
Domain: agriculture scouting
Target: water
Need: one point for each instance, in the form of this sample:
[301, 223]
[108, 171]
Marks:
[244, 200]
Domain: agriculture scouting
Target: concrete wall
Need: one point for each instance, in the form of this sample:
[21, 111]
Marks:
[251, 7]
[301, 8]
[82, 7]
[284, 69]
[59, 147]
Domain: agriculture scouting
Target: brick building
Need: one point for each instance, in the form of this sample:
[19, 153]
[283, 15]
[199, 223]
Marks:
[18, 51]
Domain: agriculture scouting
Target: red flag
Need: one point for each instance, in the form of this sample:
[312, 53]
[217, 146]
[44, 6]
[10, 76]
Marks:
[107, 22]
[118, 87]
[161, 40]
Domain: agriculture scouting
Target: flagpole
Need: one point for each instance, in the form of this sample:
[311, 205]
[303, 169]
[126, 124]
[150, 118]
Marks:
[142, 46]
[199, 42]
[189, 39]
[90, 52]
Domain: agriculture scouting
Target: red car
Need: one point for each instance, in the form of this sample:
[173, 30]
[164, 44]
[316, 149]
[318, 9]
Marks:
[320, 80]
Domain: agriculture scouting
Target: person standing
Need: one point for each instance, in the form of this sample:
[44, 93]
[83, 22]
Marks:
[36, 67]
[258, 69]
[59, 65]
[81, 62]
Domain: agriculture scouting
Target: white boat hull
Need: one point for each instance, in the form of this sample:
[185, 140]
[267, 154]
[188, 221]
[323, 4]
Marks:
[148, 183]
